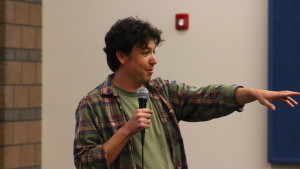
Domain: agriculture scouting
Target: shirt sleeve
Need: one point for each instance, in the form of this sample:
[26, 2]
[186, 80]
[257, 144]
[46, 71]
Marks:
[88, 144]
[201, 104]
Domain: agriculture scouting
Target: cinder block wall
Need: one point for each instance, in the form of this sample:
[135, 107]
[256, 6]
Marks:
[20, 83]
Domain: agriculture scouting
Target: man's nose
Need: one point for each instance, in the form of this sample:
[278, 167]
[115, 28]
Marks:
[153, 60]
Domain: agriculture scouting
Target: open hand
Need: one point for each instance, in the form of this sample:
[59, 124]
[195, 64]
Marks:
[265, 97]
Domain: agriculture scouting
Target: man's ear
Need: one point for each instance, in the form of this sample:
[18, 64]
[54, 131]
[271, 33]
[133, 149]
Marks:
[121, 57]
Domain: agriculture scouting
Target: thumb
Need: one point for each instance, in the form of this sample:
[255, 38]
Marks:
[268, 104]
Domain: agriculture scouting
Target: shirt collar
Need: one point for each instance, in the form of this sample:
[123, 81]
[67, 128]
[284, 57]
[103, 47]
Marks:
[108, 89]
[107, 86]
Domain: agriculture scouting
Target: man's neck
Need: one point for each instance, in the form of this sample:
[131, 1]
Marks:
[124, 82]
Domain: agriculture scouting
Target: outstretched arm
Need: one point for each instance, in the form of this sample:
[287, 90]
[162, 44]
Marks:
[265, 97]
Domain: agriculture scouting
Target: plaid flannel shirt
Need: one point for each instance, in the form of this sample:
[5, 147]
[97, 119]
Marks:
[99, 116]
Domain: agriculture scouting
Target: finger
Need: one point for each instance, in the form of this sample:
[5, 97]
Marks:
[286, 96]
[146, 116]
[146, 121]
[143, 124]
[268, 104]
[149, 117]
[290, 93]
[146, 124]
[271, 106]
[143, 112]
[146, 111]
[294, 102]
[288, 103]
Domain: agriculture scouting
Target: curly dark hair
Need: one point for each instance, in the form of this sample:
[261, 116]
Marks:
[125, 34]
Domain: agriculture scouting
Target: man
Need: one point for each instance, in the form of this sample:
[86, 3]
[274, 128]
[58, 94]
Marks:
[108, 120]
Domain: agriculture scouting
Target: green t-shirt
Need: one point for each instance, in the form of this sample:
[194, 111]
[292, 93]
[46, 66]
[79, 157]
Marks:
[156, 150]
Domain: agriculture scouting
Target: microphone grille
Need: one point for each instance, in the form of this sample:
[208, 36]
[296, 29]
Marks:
[142, 92]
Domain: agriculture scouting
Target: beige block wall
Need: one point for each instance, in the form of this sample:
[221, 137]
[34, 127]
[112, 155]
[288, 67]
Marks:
[20, 84]
[226, 43]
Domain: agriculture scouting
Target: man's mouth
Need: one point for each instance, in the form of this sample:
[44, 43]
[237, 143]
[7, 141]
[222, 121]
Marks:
[150, 71]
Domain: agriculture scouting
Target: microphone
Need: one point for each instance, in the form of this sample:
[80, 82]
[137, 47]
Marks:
[142, 95]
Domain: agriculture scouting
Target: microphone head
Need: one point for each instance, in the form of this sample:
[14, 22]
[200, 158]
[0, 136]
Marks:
[142, 93]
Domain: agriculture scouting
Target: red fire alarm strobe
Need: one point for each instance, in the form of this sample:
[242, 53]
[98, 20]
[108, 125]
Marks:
[182, 21]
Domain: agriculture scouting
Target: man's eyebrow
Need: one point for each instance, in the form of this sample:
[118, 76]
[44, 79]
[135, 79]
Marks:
[150, 48]
[146, 48]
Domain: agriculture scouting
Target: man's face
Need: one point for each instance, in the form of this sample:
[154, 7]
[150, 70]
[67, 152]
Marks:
[139, 65]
